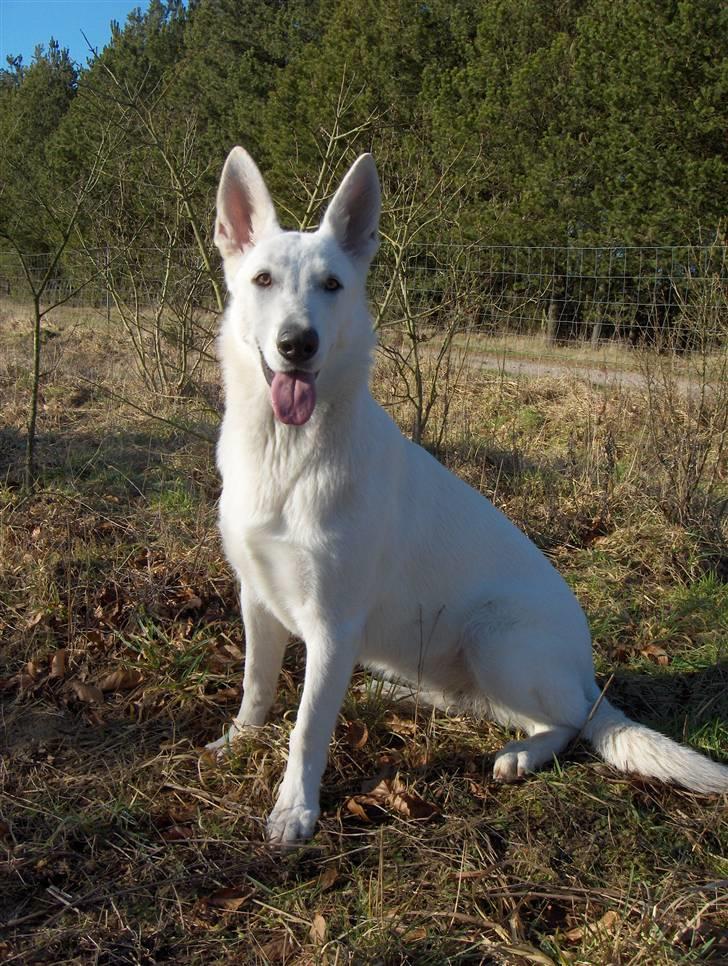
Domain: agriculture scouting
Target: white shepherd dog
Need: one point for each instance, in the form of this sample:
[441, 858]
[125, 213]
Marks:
[346, 534]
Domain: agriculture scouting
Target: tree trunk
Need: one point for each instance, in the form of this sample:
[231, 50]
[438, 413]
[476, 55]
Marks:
[34, 390]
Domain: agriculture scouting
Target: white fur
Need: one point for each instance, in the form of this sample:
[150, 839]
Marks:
[346, 534]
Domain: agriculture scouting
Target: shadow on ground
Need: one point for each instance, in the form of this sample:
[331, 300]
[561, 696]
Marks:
[128, 458]
[673, 702]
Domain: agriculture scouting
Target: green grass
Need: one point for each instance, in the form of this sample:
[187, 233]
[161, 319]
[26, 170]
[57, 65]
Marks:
[123, 844]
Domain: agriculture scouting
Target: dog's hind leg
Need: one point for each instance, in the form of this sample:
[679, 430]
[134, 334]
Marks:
[265, 644]
[518, 758]
[535, 680]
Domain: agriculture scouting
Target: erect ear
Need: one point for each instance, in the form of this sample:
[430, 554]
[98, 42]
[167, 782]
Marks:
[353, 214]
[245, 212]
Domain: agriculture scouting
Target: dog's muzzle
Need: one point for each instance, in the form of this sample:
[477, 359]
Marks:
[292, 393]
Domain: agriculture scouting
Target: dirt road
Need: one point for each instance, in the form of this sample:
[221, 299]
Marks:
[606, 375]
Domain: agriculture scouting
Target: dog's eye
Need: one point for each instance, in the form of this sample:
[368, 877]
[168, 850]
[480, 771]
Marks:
[332, 284]
[262, 279]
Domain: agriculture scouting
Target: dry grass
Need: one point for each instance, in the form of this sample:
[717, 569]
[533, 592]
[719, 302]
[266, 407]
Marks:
[123, 654]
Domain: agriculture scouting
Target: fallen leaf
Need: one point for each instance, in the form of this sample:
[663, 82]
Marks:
[656, 654]
[400, 726]
[477, 789]
[317, 932]
[184, 812]
[328, 877]
[177, 833]
[35, 619]
[278, 950]
[24, 681]
[357, 734]
[58, 664]
[224, 695]
[410, 804]
[125, 679]
[231, 898]
[355, 807]
[608, 921]
[223, 655]
[95, 638]
[86, 692]
[390, 793]
[389, 760]
[193, 602]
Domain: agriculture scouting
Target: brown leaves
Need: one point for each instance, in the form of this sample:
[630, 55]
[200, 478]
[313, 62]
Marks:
[177, 833]
[357, 734]
[223, 656]
[328, 878]
[317, 932]
[56, 669]
[34, 620]
[86, 693]
[390, 794]
[58, 664]
[188, 601]
[176, 822]
[279, 950]
[229, 898]
[656, 654]
[400, 726]
[49, 673]
[604, 925]
[125, 679]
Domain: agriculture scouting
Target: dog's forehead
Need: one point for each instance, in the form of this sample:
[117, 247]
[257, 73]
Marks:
[301, 255]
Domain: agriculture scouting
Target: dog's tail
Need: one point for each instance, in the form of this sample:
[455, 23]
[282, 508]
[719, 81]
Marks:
[632, 747]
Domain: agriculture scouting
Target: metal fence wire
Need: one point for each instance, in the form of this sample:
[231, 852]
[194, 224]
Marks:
[657, 295]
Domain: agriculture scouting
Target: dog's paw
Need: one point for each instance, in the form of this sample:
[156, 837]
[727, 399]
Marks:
[221, 748]
[512, 764]
[291, 822]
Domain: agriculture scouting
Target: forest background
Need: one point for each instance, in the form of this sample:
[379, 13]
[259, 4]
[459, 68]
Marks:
[579, 122]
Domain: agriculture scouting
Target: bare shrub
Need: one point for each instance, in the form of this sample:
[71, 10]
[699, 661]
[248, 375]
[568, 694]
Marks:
[687, 401]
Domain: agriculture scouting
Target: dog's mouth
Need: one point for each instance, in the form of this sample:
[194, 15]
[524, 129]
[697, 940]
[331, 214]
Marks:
[292, 393]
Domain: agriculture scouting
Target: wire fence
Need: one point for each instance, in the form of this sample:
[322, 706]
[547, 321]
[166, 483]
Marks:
[657, 295]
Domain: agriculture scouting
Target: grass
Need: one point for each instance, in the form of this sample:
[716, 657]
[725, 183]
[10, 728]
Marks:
[123, 654]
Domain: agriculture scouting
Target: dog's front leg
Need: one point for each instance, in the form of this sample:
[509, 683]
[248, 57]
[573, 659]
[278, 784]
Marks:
[265, 644]
[330, 660]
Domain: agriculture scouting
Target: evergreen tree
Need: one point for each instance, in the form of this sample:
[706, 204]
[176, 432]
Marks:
[34, 102]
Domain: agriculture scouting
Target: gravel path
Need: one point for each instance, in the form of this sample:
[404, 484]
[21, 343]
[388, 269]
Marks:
[605, 375]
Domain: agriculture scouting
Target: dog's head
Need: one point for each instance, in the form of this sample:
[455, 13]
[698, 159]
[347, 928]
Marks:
[298, 299]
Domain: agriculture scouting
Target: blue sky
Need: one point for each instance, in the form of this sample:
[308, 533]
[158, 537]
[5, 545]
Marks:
[25, 23]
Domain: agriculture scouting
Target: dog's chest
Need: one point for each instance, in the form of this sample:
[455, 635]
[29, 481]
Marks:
[277, 536]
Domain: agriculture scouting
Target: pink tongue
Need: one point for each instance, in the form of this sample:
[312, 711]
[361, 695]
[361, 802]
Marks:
[293, 395]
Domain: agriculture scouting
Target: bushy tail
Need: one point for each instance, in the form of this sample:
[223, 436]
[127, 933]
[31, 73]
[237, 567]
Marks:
[632, 747]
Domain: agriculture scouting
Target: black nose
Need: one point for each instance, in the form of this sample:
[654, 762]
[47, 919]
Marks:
[298, 345]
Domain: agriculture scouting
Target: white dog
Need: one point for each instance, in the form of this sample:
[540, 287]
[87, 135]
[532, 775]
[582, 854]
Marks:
[346, 534]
